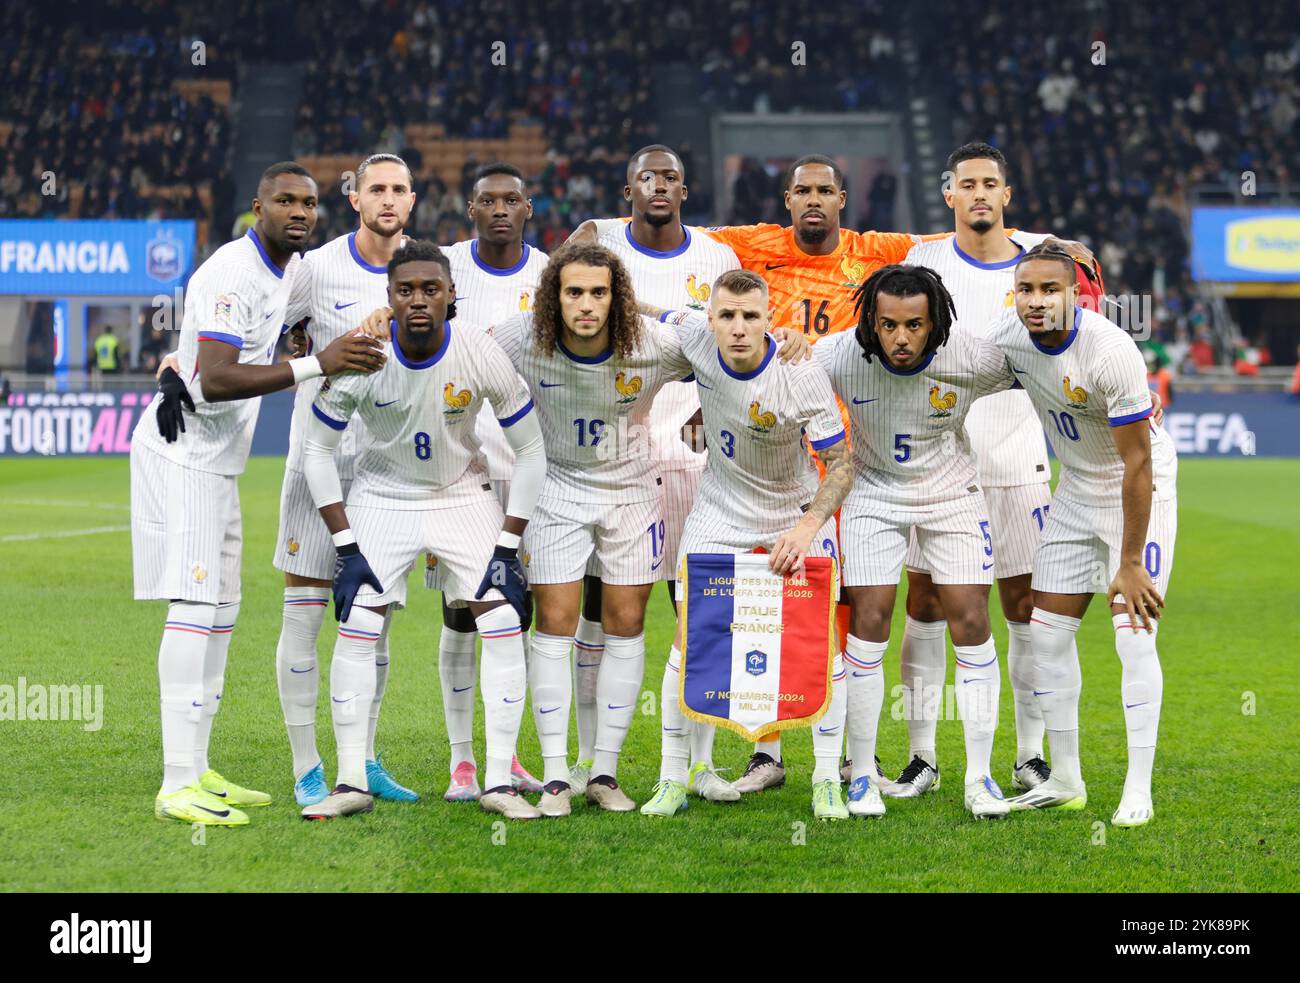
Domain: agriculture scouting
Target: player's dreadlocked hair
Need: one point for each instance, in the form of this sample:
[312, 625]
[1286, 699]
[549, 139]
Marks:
[422, 251]
[900, 280]
[624, 323]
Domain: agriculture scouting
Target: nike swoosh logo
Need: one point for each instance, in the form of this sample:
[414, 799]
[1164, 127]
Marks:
[859, 675]
[301, 671]
[506, 699]
[702, 384]
[382, 664]
[1046, 692]
[461, 689]
[343, 307]
[774, 266]
[219, 795]
[380, 406]
[987, 566]
[551, 710]
[975, 680]
[337, 700]
[622, 706]
[823, 730]
[264, 317]
[221, 814]
[657, 564]
[588, 665]
[863, 402]
[550, 385]
[193, 704]
[671, 730]
[1130, 706]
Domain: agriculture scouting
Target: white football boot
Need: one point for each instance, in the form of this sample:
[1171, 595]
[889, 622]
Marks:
[984, 800]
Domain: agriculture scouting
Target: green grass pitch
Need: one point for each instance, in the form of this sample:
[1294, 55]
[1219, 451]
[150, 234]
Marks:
[77, 808]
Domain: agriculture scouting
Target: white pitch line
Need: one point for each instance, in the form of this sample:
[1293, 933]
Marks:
[63, 534]
[61, 502]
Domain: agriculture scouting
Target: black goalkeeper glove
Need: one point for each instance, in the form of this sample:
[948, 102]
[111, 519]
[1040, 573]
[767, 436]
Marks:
[506, 574]
[172, 396]
[351, 573]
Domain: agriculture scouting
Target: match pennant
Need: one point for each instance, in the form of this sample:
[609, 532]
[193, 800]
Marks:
[757, 649]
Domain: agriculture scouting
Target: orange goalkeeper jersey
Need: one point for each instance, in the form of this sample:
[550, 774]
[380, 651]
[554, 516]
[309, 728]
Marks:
[813, 293]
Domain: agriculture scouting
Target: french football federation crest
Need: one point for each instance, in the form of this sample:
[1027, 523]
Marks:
[853, 269]
[942, 404]
[164, 257]
[1076, 396]
[199, 573]
[628, 389]
[291, 547]
[759, 420]
[456, 401]
[756, 662]
[524, 304]
[699, 293]
[430, 561]
[1010, 300]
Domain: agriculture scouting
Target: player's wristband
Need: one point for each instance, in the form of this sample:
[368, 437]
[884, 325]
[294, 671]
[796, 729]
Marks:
[305, 368]
[509, 540]
[344, 537]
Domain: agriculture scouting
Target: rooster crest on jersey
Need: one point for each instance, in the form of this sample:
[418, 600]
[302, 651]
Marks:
[628, 389]
[523, 301]
[942, 404]
[291, 547]
[699, 292]
[1076, 396]
[456, 401]
[853, 269]
[759, 420]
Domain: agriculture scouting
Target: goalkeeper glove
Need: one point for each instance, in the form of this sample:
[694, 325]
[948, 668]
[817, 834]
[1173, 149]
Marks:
[506, 574]
[351, 573]
[172, 397]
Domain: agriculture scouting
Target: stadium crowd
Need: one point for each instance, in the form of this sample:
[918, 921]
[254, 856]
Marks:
[1198, 98]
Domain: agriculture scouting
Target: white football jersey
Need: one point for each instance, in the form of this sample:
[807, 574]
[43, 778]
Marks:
[759, 474]
[420, 451]
[238, 296]
[338, 290]
[1094, 381]
[677, 280]
[595, 410]
[1003, 429]
[910, 449]
[484, 296]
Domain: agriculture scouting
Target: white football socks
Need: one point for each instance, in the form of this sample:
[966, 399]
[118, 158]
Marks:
[828, 733]
[924, 665]
[1142, 688]
[702, 742]
[588, 650]
[1020, 668]
[675, 742]
[864, 662]
[456, 674]
[1057, 682]
[381, 683]
[214, 675]
[621, 671]
[181, 656]
[552, 688]
[504, 683]
[979, 687]
[296, 671]
[352, 690]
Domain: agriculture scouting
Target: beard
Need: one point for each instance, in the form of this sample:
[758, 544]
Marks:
[816, 235]
[659, 219]
[981, 225]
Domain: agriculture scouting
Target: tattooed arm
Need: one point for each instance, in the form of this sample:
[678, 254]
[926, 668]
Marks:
[791, 548]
